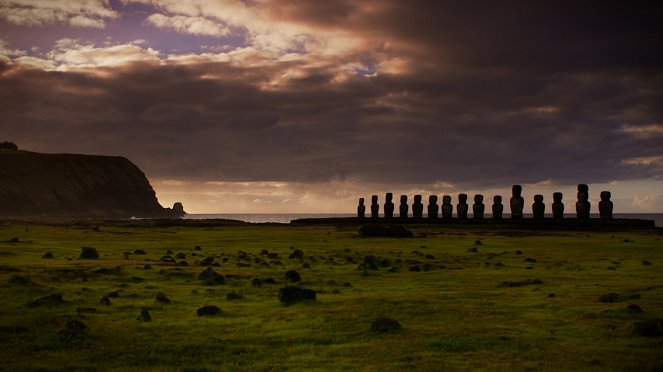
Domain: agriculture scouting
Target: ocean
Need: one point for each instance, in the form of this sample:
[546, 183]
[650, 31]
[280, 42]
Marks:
[286, 218]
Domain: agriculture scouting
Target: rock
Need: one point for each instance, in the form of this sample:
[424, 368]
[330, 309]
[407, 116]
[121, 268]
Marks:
[20, 280]
[73, 328]
[648, 328]
[208, 310]
[50, 300]
[634, 309]
[47, 255]
[298, 253]
[144, 316]
[473, 250]
[521, 283]
[292, 276]
[393, 231]
[234, 296]
[383, 325]
[180, 256]
[139, 251]
[610, 297]
[89, 253]
[291, 295]
[105, 301]
[256, 282]
[646, 263]
[161, 297]
[211, 277]
[531, 260]
[370, 263]
[114, 294]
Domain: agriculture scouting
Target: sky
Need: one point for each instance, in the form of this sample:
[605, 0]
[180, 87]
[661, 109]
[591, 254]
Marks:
[275, 106]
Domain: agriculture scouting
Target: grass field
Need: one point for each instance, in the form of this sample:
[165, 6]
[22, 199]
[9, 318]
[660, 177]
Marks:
[466, 299]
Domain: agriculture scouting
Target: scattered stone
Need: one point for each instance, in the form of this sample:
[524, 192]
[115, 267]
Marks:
[108, 271]
[211, 277]
[234, 296]
[105, 301]
[384, 325]
[196, 248]
[646, 263]
[370, 263]
[209, 261]
[256, 282]
[648, 328]
[551, 295]
[147, 267]
[50, 300]
[635, 309]
[47, 255]
[292, 276]
[298, 253]
[519, 252]
[161, 297]
[392, 231]
[347, 284]
[478, 242]
[610, 297]
[88, 310]
[532, 260]
[73, 328]
[167, 258]
[635, 296]
[208, 310]
[180, 256]
[306, 265]
[291, 295]
[473, 250]
[89, 253]
[114, 294]
[144, 316]
[521, 283]
[414, 268]
[139, 251]
[20, 280]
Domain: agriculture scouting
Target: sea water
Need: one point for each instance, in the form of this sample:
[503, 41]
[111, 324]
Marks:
[286, 218]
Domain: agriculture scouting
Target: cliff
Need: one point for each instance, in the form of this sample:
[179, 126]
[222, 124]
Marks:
[71, 185]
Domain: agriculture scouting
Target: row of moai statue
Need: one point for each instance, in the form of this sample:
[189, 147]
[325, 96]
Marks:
[517, 204]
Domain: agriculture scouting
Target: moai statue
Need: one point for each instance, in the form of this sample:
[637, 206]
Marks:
[557, 205]
[605, 205]
[538, 208]
[432, 206]
[461, 207]
[498, 208]
[389, 206]
[517, 202]
[417, 207]
[478, 208]
[583, 206]
[361, 209]
[403, 207]
[375, 207]
[447, 208]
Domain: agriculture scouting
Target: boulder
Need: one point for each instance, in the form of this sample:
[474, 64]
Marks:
[292, 276]
[73, 328]
[298, 253]
[648, 328]
[50, 300]
[89, 253]
[144, 316]
[161, 297]
[383, 325]
[291, 295]
[208, 310]
[211, 277]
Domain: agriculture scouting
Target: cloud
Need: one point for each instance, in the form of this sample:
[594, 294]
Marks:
[439, 97]
[77, 13]
[189, 25]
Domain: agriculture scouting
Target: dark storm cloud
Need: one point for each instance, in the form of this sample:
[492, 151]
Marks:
[489, 94]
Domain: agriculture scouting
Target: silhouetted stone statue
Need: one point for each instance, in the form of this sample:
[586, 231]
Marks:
[605, 205]
[583, 206]
[447, 208]
[433, 208]
[403, 208]
[361, 209]
[389, 206]
[375, 207]
[557, 205]
[498, 208]
[538, 208]
[517, 202]
[461, 207]
[478, 208]
[417, 207]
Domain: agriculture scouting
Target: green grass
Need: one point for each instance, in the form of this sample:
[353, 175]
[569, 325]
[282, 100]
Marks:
[455, 314]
